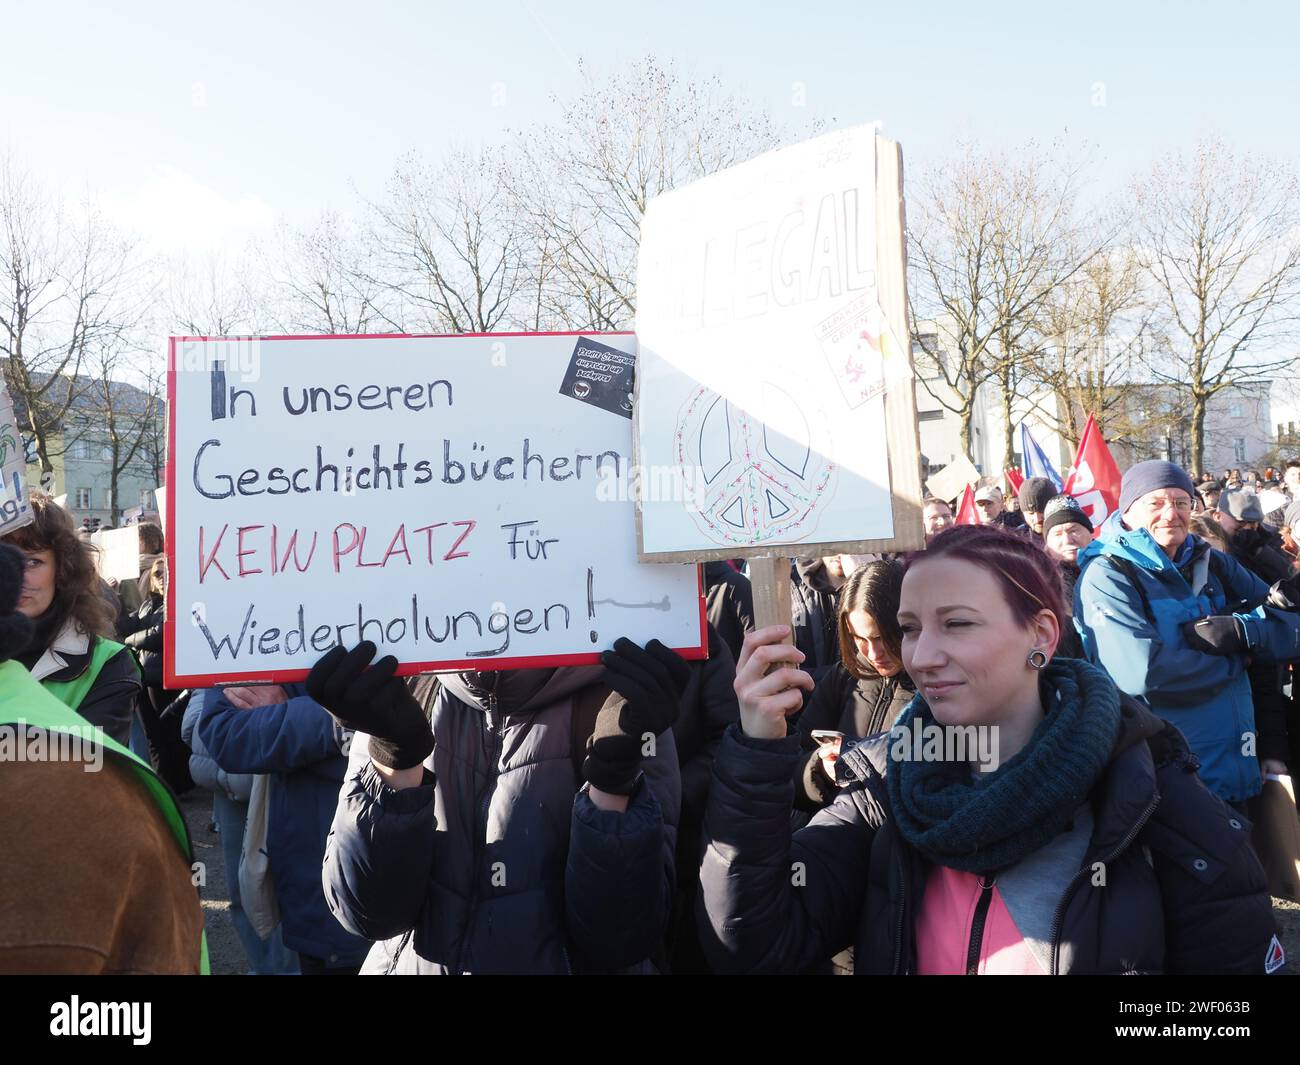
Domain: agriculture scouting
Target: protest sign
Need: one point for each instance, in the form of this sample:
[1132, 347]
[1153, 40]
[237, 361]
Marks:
[775, 378]
[949, 481]
[439, 496]
[14, 511]
[118, 555]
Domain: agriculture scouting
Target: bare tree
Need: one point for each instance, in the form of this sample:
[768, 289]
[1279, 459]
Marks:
[322, 280]
[1091, 354]
[126, 418]
[66, 288]
[1218, 236]
[209, 296]
[449, 246]
[989, 241]
[583, 183]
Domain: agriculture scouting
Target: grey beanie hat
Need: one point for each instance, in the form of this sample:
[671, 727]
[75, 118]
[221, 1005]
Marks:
[1062, 510]
[1035, 493]
[1151, 476]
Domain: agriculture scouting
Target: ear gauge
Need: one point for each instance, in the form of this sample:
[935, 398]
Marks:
[1037, 658]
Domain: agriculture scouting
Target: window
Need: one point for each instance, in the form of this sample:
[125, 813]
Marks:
[1235, 410]
[106, 453]
[146, 498]
[83, 498]
[81, 450]
[1239, 449]
[929, 416]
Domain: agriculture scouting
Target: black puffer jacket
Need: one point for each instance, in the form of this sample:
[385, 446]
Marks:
[161, 709]
[1182, 893]
[843, 703]
[729, 600]
[812, 615]
[497, 863]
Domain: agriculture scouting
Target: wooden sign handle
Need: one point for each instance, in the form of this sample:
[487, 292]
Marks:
[770, 579]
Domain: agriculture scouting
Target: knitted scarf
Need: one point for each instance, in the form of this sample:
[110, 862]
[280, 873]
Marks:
[991, 824]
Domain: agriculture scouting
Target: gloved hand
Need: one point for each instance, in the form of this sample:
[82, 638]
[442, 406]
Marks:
[1248, 541]
[646, 700]
[1285, 594]
[1217, 634]
[373, 701]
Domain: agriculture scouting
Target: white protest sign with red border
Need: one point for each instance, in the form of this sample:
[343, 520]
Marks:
[458, 500]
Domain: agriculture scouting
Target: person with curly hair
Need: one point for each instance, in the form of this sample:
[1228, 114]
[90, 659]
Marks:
[71, 653]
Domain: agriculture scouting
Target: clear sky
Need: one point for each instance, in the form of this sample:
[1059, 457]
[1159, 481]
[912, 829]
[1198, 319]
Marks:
[202, 123]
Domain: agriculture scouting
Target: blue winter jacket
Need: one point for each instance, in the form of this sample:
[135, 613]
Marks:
[306, 751]
[1130, 603]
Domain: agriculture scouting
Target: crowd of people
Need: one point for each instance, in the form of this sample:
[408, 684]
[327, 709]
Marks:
[1121, 695]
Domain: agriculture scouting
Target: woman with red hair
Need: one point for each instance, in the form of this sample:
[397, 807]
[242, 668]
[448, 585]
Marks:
[1022, 816]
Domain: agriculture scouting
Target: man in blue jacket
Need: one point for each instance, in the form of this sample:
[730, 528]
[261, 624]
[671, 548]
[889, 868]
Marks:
[1176, 622]
[284, 732]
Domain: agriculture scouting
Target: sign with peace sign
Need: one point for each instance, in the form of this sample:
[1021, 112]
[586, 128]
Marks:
[772, 382]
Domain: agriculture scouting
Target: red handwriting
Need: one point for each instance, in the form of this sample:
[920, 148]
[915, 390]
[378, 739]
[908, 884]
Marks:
[257, 549]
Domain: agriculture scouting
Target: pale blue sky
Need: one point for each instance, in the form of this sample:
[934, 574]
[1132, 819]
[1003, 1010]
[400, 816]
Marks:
[204, 121]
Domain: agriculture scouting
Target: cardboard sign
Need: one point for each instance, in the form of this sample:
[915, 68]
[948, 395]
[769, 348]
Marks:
[14, 511]
[118, 557]
[439, 496]
[949, 481]
[773, 384]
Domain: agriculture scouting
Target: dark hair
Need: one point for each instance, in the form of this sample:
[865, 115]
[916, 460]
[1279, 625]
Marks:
[875, 588]
[151, 538]
[935, 499]
[1029, 578]
[15, 629]
[77, 588]
[1292, 463]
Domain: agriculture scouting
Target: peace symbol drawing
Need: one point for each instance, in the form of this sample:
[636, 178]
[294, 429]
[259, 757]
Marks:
[754, 485]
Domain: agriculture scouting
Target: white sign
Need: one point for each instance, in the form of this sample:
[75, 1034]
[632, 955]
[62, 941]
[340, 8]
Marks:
[765, 354]
[438, 496]
[952, 480]
[118, 557]
[14, 511]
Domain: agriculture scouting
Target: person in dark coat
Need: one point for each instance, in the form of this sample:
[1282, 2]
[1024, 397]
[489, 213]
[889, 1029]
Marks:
[1241, 517]
[729, 602]
[866, 690]
[465, 839]
[926, 869]
[1034, 496]
[814, 584]
[1067, 530]
[994, 511]
[161, 709]
[708, 707]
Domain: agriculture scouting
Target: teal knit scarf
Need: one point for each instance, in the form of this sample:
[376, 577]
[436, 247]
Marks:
[983, 826]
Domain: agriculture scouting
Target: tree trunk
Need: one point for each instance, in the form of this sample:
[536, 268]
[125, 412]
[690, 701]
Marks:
[1198, 436]
[1008, 437]
[966, 447]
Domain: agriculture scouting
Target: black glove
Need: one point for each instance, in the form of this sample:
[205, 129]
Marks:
[648, 685]
[1285, 594]
[1217, 634]
[373, 701]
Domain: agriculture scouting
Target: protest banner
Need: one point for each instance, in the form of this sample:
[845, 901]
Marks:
[14, 511]
[457, 500]
[775, 377]
[118, 554]
[949, 481]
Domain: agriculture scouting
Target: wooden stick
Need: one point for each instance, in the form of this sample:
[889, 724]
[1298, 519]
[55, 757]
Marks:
[770, 578]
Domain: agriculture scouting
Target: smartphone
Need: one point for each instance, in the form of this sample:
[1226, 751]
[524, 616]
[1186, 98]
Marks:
[826, 735]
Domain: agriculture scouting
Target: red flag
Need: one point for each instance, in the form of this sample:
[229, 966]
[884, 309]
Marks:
[1015, 479]
[1095, 479]
[966, 512]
